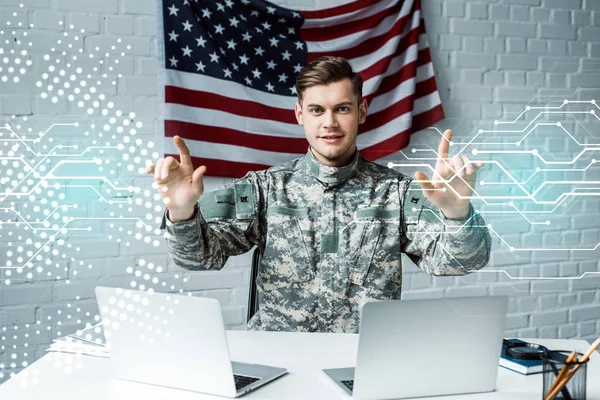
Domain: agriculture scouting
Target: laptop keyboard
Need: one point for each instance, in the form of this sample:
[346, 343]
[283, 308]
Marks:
[349, 384]
[242, 381]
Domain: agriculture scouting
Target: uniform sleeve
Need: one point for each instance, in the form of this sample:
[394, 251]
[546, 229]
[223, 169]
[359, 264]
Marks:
[440, 246]
[226, 222]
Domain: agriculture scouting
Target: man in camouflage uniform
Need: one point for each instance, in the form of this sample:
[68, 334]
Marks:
[331, 226]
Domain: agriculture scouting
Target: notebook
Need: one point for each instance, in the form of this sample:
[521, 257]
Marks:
[524, 367]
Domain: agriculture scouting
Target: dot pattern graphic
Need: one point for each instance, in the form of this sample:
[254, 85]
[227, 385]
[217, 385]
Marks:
[73, 194]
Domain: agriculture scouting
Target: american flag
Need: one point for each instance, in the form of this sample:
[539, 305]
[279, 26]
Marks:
[228, 69]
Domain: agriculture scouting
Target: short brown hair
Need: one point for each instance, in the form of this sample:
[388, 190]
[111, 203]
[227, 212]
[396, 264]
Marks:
[325, 70]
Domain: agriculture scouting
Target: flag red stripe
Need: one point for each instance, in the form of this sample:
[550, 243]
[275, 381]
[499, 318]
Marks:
[339, 10]
[217, 134]
[370, 45]
[402, 139]
[382, 65]
[399, 108]
[407, 72]
[247, 108]
[348, 28]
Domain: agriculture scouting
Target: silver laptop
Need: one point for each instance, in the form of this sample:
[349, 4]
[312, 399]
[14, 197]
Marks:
[175, 341]
[415, 348]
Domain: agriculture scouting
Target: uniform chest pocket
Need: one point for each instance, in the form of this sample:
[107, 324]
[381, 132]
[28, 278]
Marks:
[286, 259]
[372, 249]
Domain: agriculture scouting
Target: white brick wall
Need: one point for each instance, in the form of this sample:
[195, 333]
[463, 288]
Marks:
[529, 48]
[491, 58]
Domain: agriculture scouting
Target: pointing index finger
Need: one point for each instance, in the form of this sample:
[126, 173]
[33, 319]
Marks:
[184, 152]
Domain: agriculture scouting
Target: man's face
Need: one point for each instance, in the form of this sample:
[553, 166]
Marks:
[330, 115]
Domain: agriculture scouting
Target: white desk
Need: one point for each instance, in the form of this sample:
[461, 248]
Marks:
[303, 354]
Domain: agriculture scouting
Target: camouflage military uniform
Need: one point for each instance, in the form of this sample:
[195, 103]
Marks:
[330, 237]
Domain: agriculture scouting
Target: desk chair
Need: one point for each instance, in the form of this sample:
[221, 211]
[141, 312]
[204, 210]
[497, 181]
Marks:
[252, 293]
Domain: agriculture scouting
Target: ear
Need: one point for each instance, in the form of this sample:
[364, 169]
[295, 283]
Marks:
[362, 111]
[298, 112]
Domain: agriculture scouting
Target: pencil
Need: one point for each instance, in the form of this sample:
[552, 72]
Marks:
[565, 380]
[572, 357]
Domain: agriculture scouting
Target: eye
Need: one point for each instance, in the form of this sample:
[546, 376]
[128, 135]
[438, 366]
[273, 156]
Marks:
[315, 110]
[344, 109]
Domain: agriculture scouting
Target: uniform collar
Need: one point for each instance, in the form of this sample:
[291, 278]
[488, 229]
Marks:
[331, 175]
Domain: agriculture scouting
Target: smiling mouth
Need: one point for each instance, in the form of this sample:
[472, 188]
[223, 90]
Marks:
[330, 137]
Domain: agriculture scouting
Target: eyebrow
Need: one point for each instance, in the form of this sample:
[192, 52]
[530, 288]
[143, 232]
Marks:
[344, 103]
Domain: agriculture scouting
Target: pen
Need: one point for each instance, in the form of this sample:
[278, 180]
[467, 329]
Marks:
[584, 359]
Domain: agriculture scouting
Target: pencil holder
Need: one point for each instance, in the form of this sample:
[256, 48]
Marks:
[575, 389]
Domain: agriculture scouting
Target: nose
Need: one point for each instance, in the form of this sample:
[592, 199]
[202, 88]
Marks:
[329, 120]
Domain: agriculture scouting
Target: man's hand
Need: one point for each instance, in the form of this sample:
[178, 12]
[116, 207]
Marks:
[458, 176]
[179, 185]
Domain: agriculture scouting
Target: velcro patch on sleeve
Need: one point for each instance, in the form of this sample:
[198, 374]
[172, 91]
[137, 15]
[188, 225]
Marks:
[216, 205]
[245, 200]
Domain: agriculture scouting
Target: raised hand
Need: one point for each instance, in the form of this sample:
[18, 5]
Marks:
[179, 185]
[452, 183]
